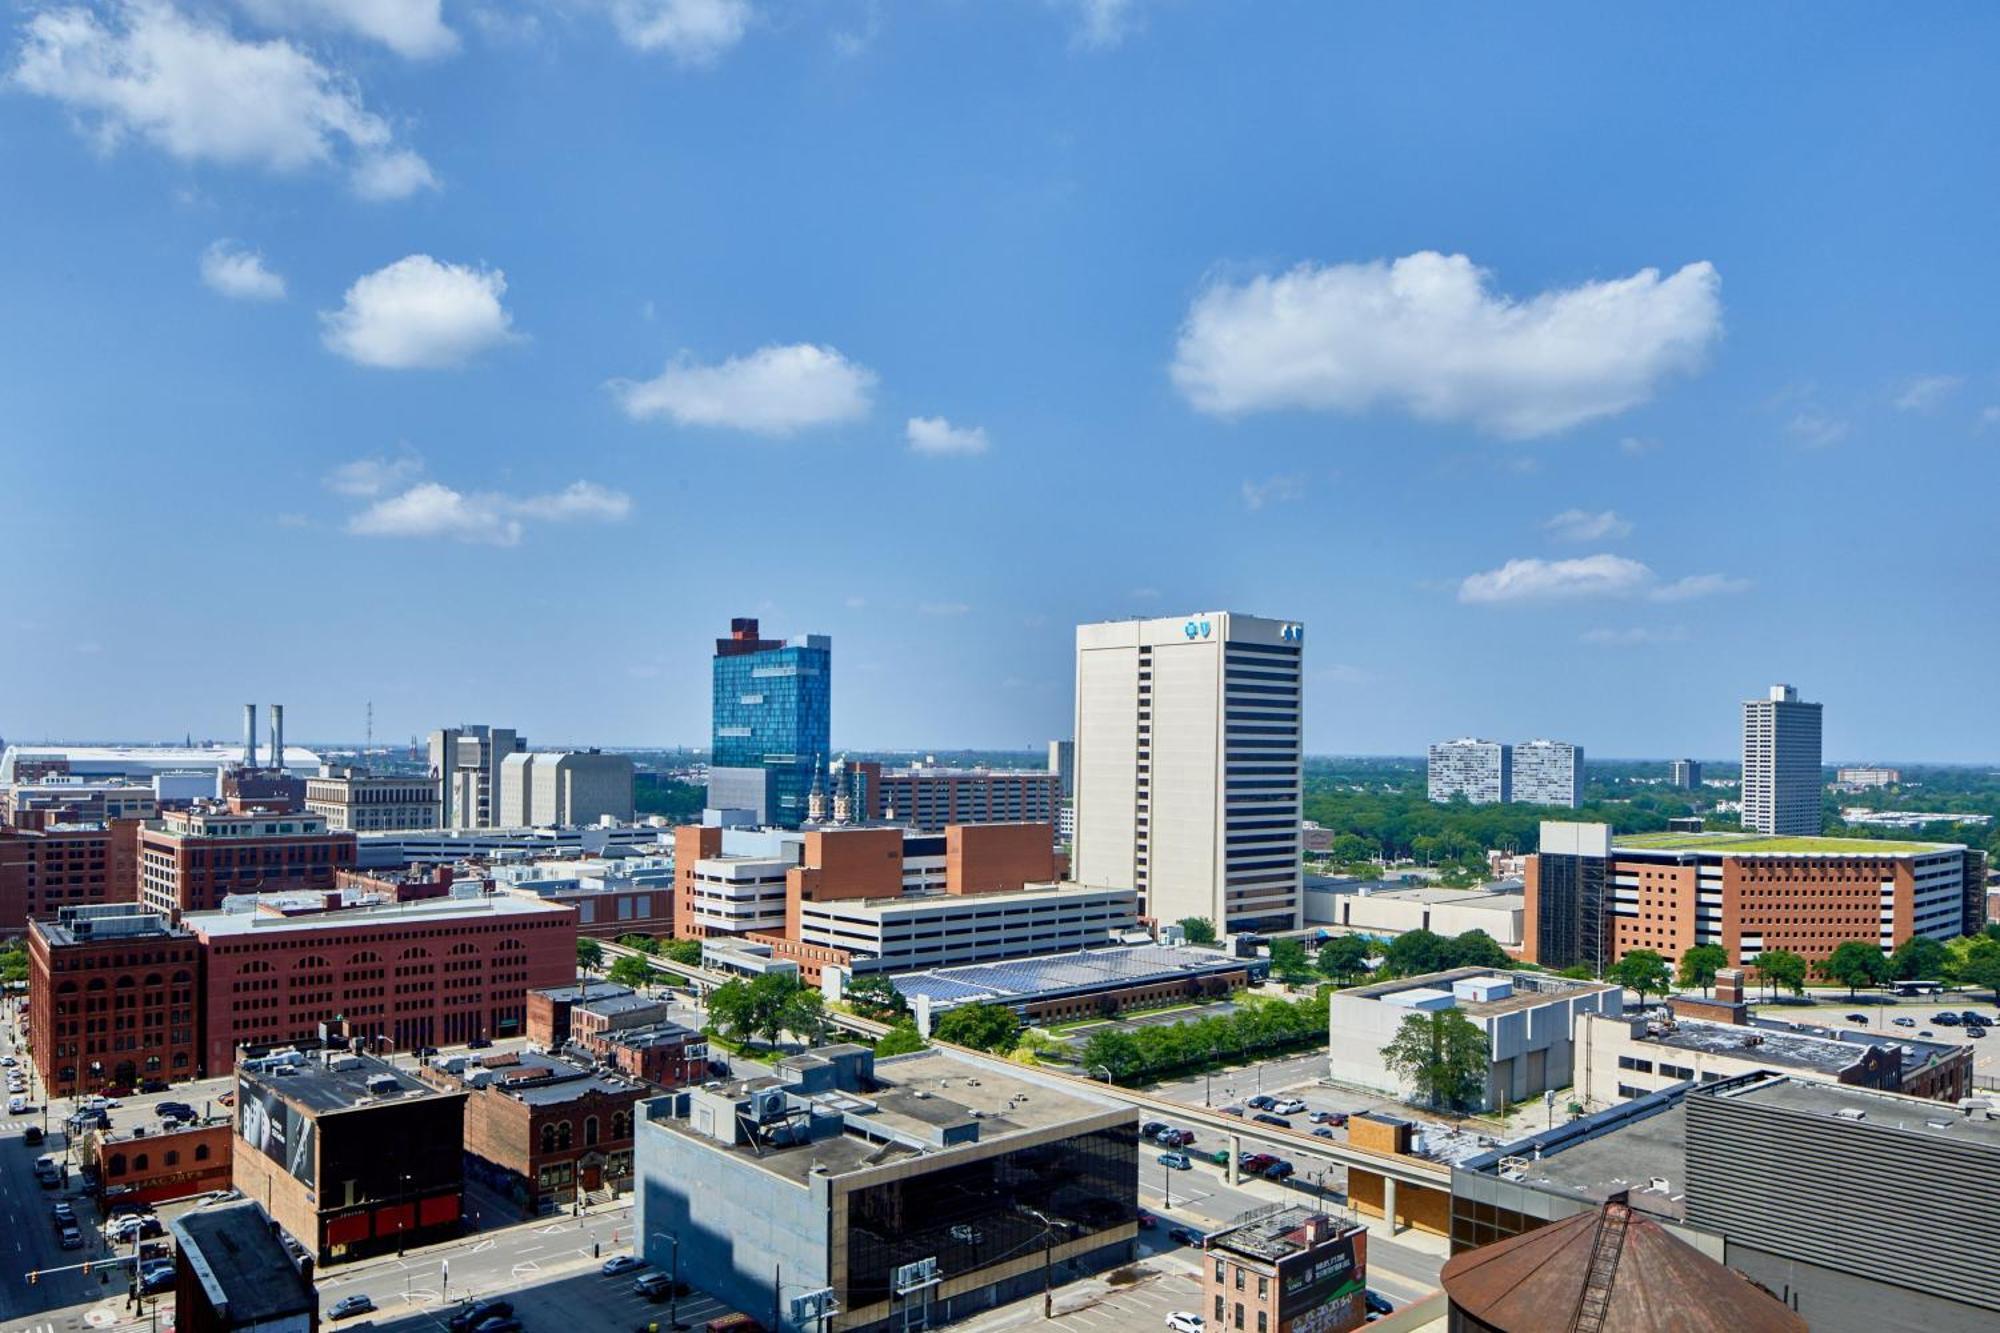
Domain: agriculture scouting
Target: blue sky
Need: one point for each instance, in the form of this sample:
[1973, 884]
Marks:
[1568, 371]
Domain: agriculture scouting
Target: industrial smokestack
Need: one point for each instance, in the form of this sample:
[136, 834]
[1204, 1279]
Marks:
[249, 735]
[278, 737]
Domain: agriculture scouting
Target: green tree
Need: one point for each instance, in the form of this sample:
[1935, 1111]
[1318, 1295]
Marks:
[900, 1040]
[1344, 958]
[875, 996]
[801, 1011]
[768, 1007]
[733, 1009]
[1349, 848]
[1700, 964]
[1289, 963]
[1114, 1051]
[14, 961]
[1414, 952]
[1473, 948]
[1442, 1055]
[1644, 971]
[685, 952]
[645, 944]
[1197, 929]
[1782, 967]
[985, 1027]
[1982, 968]
[1919, 958]
[630, 971]
[589, 954]
[1854, 964]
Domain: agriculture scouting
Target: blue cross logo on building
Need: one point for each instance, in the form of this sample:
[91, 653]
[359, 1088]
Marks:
[1195, 629]
[1292, 633]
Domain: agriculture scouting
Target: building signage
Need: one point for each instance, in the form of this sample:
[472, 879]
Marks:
[1196, 629]
[1292, 633]
[269, 1124]
[1318, 1295]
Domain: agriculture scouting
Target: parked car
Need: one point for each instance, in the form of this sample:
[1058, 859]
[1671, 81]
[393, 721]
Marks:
[1183, 1321]
[1262, 1102]
[32, 1135]
[427, 1051]
[98, 1103]
[153, 1085]
[1377, 1303]
[1902, 1022]
[184, 1110]
[8, 1062]
[1324, 1133]
[1945, 1020]
[157, 1275]
[70, 1238]
[479, 1043]
[1288, 1106]
[1147, 1221]
[64, 1214]
[1975, 1029]
[17, 1105]
[1219, 1157]
[1177, 1138]
[473, 1313]
[1857, 1018]
[1972, 1018]
[1254, 1162]
[1177, 1160]
[624, 1263]
[655, 1287]
[1151, 1128]
[1328, 1117]
[1279, 1170]
[1266, 1118]
[1186, 1236]
[1232, 1110]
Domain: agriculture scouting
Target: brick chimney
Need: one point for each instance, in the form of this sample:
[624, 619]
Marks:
[1729, 985]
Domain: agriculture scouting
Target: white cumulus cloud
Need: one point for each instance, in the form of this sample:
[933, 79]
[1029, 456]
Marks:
[418, 313]
[190, 87]
[432, 509]
[411, 28]
[1101, 24]
[774, 390]
[1604, 575]
[693, 32]
[1927, 391]
[240, 273]
[371, 476]
[1426, 334]
[940, 439]
[1583, 525]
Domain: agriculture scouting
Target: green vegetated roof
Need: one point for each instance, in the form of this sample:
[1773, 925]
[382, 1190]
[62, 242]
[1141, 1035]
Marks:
[1760, 842]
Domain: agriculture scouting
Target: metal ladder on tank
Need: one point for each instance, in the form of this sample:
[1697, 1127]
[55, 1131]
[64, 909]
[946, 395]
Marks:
[1594, 1301]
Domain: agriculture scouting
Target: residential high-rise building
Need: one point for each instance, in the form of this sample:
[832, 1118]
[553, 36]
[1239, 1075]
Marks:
[1481, 771]
[1188, 748]
[466, 761]
[1062, 763]
[773, 717]
[1781, 765]
[1548, 773]
[1685, 775]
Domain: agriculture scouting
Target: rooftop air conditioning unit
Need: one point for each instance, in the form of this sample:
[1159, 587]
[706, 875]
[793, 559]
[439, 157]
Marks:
[1850, 1113]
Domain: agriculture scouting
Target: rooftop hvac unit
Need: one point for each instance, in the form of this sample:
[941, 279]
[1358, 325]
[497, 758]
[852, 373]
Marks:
[767, 1104]
[1850, 1113]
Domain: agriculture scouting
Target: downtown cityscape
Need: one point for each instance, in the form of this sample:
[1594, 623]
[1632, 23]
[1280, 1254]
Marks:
[1138, 664]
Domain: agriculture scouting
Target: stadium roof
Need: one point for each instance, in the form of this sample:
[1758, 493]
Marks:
[145, 760]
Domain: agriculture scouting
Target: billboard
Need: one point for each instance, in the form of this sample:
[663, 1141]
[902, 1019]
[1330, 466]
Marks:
[1318, 1292]
[275, 1128]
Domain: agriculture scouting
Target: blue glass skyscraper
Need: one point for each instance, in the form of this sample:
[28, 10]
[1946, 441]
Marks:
[773, 717]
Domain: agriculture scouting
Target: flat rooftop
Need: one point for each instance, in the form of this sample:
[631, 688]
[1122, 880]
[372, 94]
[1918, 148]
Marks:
[1759, 844]
[322, 1090]
[1276, 1236]
[610, 1006]
[1628, 1155]
[1882, 1110]
[1497, 894]
[1056, 974]
[1774, 1046]
[241, 1264]
[914, 1097]
[215, 925]
[1530, 989]
[540, 1080]
[596, 990]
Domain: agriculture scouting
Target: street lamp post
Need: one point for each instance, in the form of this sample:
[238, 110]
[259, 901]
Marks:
[1092, 1071]
[1048, 1260]
[673, 1277]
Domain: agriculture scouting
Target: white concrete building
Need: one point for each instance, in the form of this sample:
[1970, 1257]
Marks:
[1528, 1017]
[1188, 750]
[944, 930]
[1548, 773]
[1360, 908]
[1781, 764]
[563, 790]
[1481, 771]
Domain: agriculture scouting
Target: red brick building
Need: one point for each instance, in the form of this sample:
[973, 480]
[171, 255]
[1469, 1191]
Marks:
[150, 1166]
[665, 1054]
[62, 865]
[549, 1010]
[540, 1129]
[114, 999]
[433, 972]
[190, 860]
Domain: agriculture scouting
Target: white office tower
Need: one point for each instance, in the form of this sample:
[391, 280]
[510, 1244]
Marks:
[1548, 773]
[1480, 771]
[1781, 772]
[1188, 747]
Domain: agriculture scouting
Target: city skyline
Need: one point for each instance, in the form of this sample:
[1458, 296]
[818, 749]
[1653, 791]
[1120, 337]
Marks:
[1554, 419]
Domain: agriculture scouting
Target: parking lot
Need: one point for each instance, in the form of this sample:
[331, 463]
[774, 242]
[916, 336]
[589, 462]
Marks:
[1832, 1009]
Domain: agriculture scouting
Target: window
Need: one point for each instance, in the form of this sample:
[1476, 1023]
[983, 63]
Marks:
[1263, 1322]
[1263, 1288]
[1239, 1277]
[1219, 1274]
[590, 1131]
[201, 1152]
[1635, 1064]
[173, 1157]
[1218, 1310]
[1239, 1314]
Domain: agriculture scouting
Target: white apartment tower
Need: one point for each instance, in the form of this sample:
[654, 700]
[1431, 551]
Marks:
[1189, 739]
[1548, 773]
[1481, 771]
[1781, 766]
